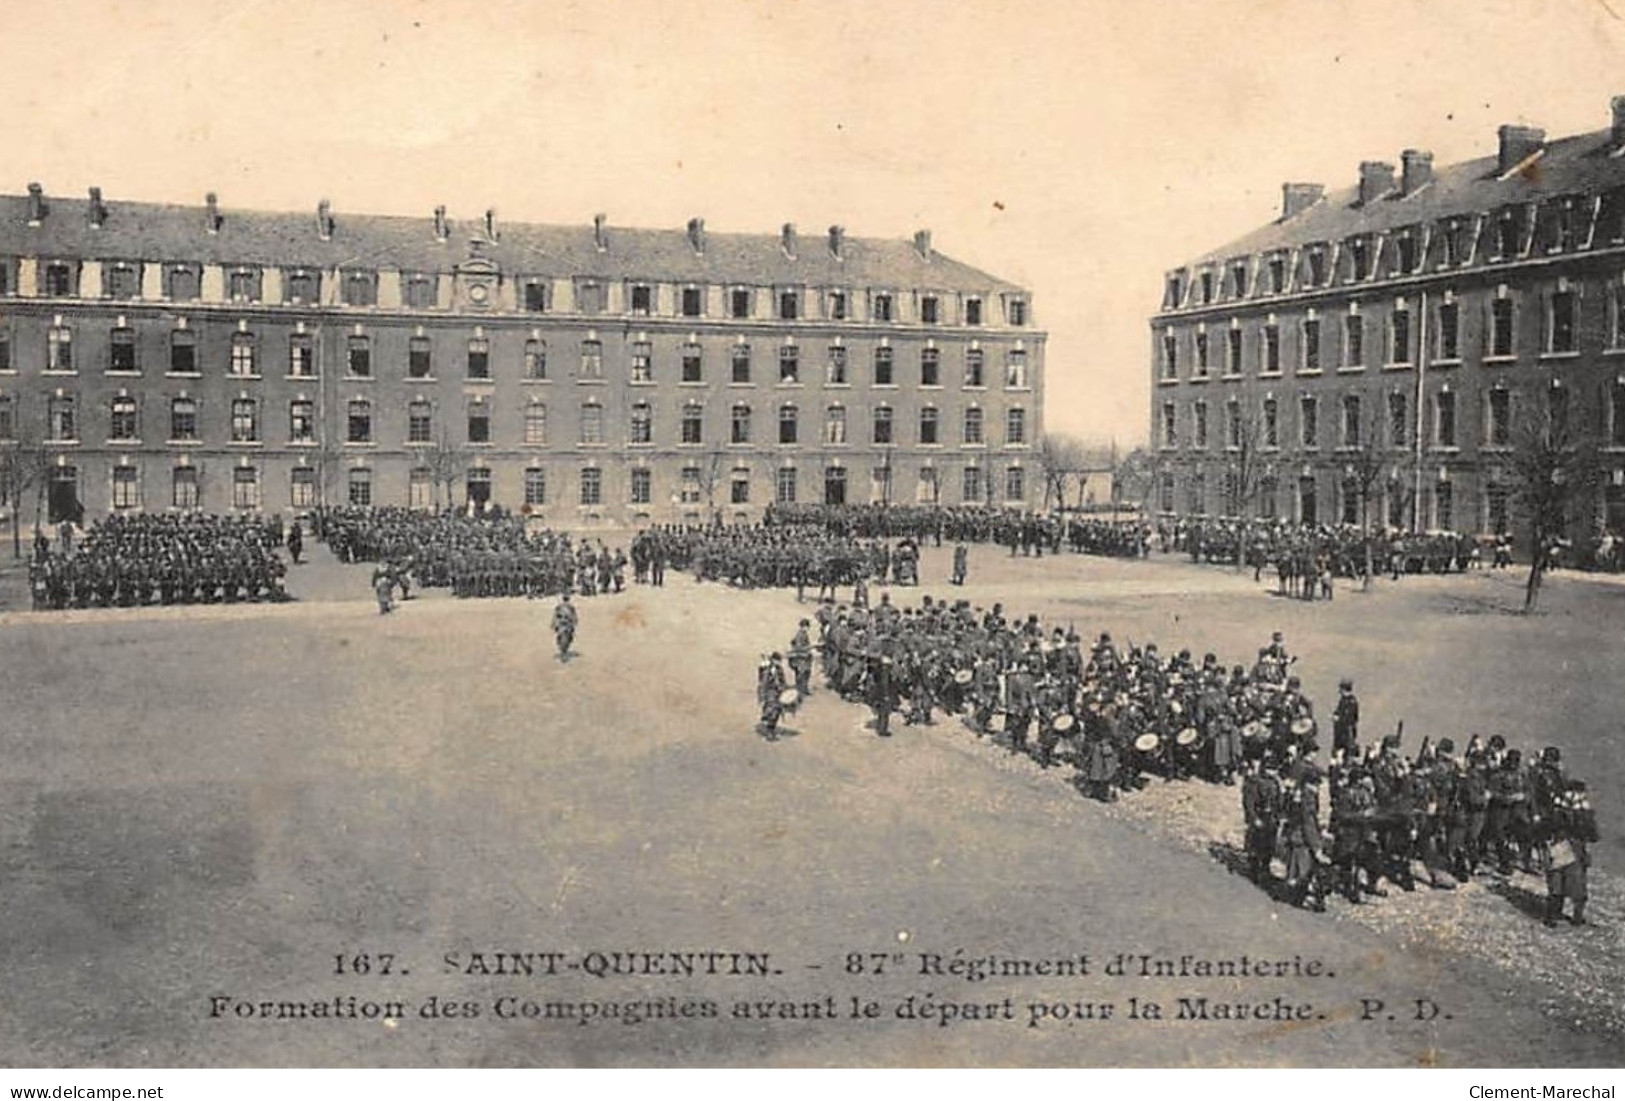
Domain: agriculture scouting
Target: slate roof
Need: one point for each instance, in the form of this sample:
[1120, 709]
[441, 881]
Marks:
[1583, 164]
[164, 232]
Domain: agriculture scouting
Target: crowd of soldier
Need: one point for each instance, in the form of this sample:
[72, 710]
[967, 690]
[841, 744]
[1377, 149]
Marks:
[752, 556]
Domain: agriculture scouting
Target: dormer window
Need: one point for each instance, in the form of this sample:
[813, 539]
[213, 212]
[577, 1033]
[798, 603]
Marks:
[302, 286]
[1317, 266]
[535, 296]
[122, 280]
[1405, 253]
[1238, 278]
[881, 307]
[928, 309]
[1360, 258]
[693, 303]
[1277, 268]
[973, 311]
[181, 282]
[1207, 287]
[59, 279]
[789, 305]
[739, 302]
[360, 288]
[643, 297]
[1015, 311]
[243, 285]
[1174, 293]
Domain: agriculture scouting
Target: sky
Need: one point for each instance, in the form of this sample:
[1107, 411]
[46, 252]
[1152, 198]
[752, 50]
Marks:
[1080, 149]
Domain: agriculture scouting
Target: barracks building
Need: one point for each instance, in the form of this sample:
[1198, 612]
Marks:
[1429, 313]
[164, 357]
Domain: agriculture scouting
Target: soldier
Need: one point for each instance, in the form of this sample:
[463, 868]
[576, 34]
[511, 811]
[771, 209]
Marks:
[1346, 720]
[564, 625]
[296, 542]
[801, 660]
[1565, 855]
[1301, 836]
[769, 687]
[1260, 807]
[882, 689]
[383, 586]
[961, 563]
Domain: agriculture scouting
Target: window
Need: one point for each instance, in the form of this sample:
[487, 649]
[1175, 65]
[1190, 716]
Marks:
[302, 287]
[1238, 281]
[1170, 356]
[592, 486]
[973, 425]
[880, 307]
[1015, 484]
[1444, 419]
[5, 349]
[242, 355]
[1198, 425]
[739, 302]
[301, 420]
[58, 280]
[642, 486]
[479, 422]
[1309, 421]
[739, 488]
[59, 348]
[1497, 512]
[928, 425]
[970, 485]
[419, 422]
[301, 356]
[1444, 506]
[360, 488]
[1015, 427]
[1354, 340]
[1311, 344]
[740, 420]
[930, 367]
[1457, 241]
[183, 419]
[1499, 428]
[359, 422]
[789, 423]
[122, 423]
[693, 364]
[1207, 287]
[642, 423]
[1405, 254]
[1616, 420]
[693, 425]
[973, 311]
[1317, 267]
[1501, 328]
[535, 297]
[741, 364]
[245, 487]
[1506, 235]
[784, 485]
[592, 423]
[1201, 354]
[880, 483]
[419, 363]
[536, 424]
[1399, 332]
[1016, 311]
[359, 356]
[8, 417]
[1561, 328]
[1165, 493]
[928, 309]
[535, 360]
[1557, 411]
[688, 487]
[182, 281]
[535, 486]
[1277, 270]
[1399, 419]
[693, 301]
[592, 359]
[882, 425]
[479, 358]
[1449, 331]
[1351, 420]
[421, 292]
[975, 378]
[835, 370]
[360, 288]
[1232, 424]
[1173, 294]
[1015, 369]
[835, 424]
[1232, 353]
[837, 306]
[591, 296]
[643, 297]
[1269, 489]
[126, 487]
[1360, 258]
[1272, 350]
[883, 367]
[789, 364]
[1272, 423]
[60, 419]
[243, 285]
[420, 491]
[245, 421]
[789, 305]
[184, 488]
[121, 350]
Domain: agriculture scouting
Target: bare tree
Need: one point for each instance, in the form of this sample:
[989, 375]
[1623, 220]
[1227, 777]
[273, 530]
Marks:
[1246, 466]
[1134, 476]
[1366, 465]
[445, 462]
[25, 466]
[1060, 459]
[1552, 466]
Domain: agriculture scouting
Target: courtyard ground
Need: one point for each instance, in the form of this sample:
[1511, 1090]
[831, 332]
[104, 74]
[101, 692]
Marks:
[201, 808]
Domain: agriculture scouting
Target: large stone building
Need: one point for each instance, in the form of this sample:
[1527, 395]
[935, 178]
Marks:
[182, 357]
[1424, 319]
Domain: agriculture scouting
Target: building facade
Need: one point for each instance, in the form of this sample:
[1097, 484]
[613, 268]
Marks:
[167, 357]
[1408, 329]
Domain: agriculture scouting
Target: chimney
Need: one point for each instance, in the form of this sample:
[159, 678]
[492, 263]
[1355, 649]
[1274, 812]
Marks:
[1298, 197]
[696, 234]
[1518, 144]
[36, 204]
[324, 220]
[1376, 180]
[787, 239]
[98, 211]
[441, 230]
[922, 243]
[491, 224]
[211, 212]
[600, 238]
[1416, 170]
[1618, 105]
[837, 242]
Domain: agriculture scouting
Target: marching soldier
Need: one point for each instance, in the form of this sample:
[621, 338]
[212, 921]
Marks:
[564, 625]
[769, 689]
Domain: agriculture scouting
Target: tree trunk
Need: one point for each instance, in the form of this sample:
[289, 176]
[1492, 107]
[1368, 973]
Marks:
[1531, 588]
[1365, 532]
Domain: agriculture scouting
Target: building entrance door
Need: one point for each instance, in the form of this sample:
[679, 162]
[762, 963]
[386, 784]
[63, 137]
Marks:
[1306, 501]
[63, 498]
[835, 485]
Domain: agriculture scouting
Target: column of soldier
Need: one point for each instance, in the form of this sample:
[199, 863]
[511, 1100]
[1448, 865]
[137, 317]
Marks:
[762, 556]
[486, 555]
[139, 559]
[1120, 716]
